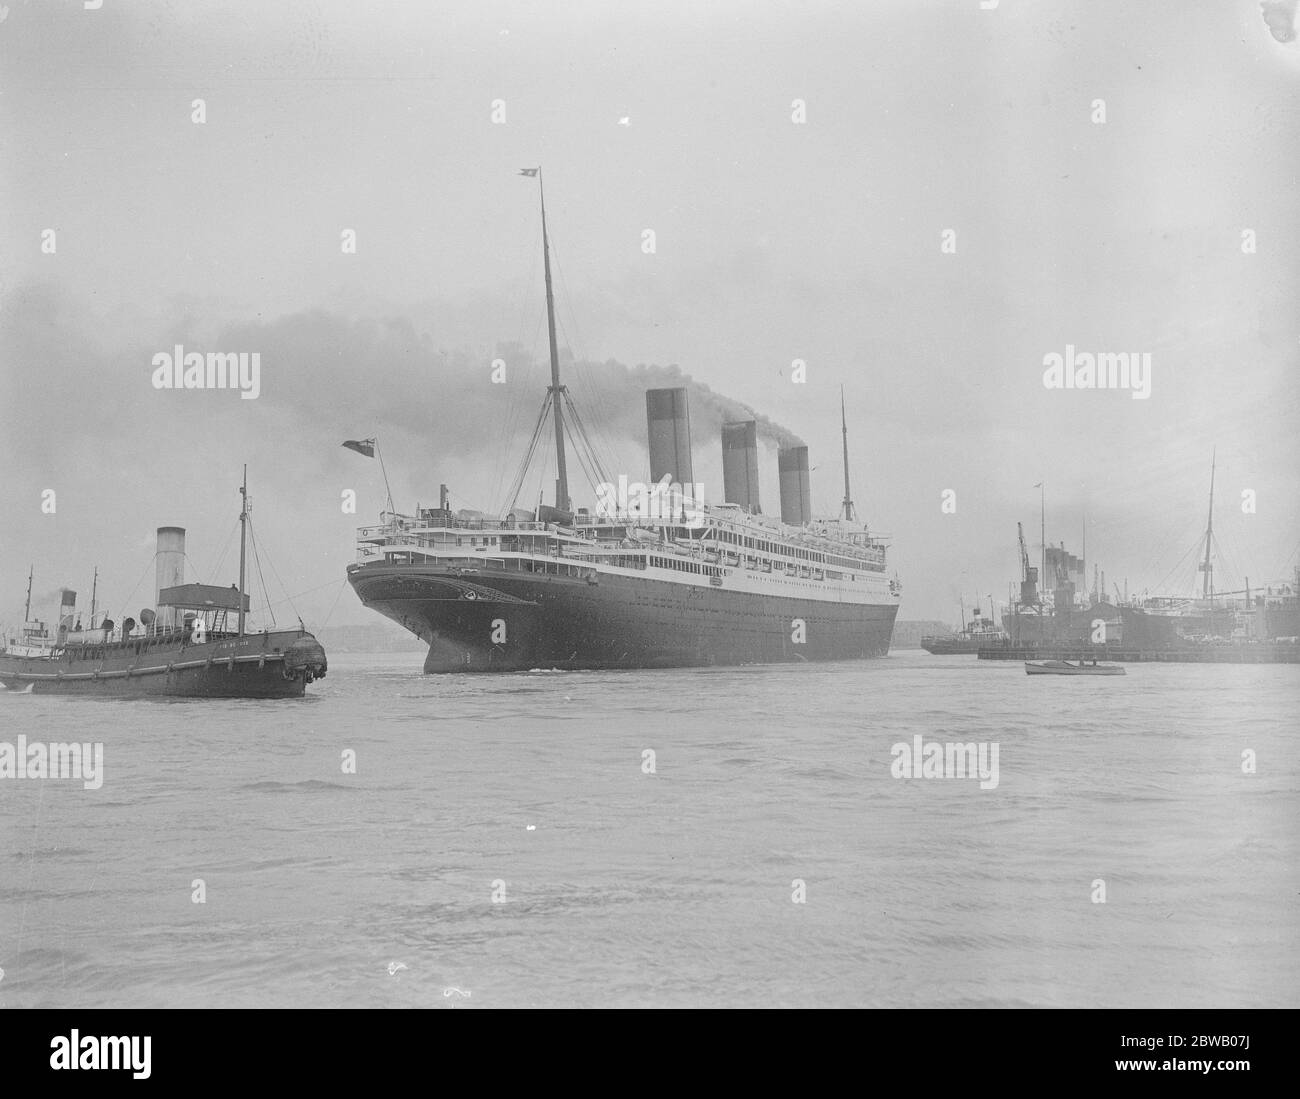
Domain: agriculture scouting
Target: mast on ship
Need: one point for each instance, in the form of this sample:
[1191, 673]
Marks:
[1042, 534]
[849, 514]
[243, 531]
[27, 611]
[94, 590]
[556, 400]
[1207, 586]
[556, 390]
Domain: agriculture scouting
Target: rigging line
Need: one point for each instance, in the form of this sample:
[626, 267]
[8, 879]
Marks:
[514, 424]
[516, 486]
[585, 381]
[577, 438]
[1234, 547]
[507, 502]
[525, 310]
[515, 404]
[582, 442]
[289, 599]
[283, 587]
[576, 342]
[1282, 569]
[603, 451]
[125, 602]
[538, 466]
[471, 505]
[1229, 563]
[596, 475]
[190, 561]
[601, 468]
[212, 572]
[581, 455]
[1187, 553]
[257, 560]
[602, 455]
[337, 595]
[614, 452]
[591, 396]
[230, 537]
[543, 466]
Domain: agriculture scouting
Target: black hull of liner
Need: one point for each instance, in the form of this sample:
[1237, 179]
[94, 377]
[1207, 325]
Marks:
[621, 622]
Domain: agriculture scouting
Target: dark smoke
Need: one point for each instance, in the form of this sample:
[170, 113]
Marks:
[325, 377]
[709, 409]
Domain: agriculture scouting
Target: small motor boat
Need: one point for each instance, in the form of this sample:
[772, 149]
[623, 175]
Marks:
[1064, 667]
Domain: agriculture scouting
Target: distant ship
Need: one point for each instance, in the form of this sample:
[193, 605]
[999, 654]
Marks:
[1256, 624]
[667, 581]
[184, 648]
[978, 633]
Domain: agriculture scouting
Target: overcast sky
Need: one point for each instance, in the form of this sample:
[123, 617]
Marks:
[775, 240]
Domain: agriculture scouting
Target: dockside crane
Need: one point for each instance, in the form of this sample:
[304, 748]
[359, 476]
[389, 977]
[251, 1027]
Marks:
[1028, 573]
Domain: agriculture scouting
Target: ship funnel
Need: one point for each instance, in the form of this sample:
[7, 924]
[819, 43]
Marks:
[796, 496]
[669, 434]
[170, 560]
[740, 465]
[67, 612]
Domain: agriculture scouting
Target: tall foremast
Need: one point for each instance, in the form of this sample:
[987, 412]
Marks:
[1207, 585]
[849, 514]
[556, 389]
[243, 538]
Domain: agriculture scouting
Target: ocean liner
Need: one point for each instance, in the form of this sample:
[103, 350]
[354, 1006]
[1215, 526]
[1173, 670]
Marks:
[652, 577]
[184, 647]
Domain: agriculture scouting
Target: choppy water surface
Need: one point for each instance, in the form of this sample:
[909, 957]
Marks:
[671, 888]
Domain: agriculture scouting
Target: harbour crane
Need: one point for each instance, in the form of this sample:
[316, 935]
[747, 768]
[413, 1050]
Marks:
[1028, 573]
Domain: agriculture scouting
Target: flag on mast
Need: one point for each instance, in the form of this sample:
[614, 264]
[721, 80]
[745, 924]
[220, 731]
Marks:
[527, 171]
[362, 446]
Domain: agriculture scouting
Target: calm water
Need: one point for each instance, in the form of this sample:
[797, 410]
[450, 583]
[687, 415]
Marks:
[672, 888]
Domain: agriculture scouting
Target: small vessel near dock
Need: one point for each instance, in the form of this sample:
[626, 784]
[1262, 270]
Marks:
[1064, 667]
[978, 633]
[184, 647]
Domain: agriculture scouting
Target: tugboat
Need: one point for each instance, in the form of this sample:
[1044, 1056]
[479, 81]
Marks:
[184, 648]
[978, 633]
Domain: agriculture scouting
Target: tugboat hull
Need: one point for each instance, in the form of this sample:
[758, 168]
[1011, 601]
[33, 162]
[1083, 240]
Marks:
[268, 665]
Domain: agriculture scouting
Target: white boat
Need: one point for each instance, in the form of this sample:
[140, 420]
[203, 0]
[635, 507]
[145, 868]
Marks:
[1064, 667]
